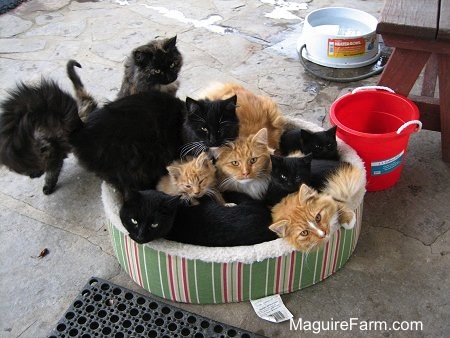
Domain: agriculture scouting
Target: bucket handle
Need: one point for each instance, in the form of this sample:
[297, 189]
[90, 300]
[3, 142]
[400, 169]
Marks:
[407, 124]
[358, 89]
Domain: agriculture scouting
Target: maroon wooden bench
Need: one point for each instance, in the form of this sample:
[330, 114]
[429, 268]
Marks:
[419, 32]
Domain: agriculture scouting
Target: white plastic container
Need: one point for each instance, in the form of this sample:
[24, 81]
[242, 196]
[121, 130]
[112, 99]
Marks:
[339, 37]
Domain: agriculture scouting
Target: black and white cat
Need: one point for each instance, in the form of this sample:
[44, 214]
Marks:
[149, 215]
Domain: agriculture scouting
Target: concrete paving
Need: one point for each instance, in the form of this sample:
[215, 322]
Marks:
[400, 269]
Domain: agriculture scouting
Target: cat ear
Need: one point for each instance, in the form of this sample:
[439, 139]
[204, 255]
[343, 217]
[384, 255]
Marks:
[305, 193]
[129, 195]
[279, 227]
[261, 137]
[332, 131]
[276, 159]
[231, 102]
[202, 161]
[174, 171]
[192, 105]
[170, 43]
[305, 135]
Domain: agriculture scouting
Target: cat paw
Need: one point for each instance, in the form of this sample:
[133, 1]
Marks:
[48, 189]
[230, 205]
[351, 223]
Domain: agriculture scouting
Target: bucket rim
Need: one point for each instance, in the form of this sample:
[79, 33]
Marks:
[406, 132]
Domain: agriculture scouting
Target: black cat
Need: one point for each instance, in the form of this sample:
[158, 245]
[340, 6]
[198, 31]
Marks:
[209, 124]
[321, 144]
[35, 124]
[146, 216]
[289, 173]
[153, 66]
[130, 141]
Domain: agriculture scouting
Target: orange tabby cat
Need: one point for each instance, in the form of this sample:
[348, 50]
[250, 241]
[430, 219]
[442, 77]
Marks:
[253, 111]
[244, 165]
[307, 218]
[191, 180]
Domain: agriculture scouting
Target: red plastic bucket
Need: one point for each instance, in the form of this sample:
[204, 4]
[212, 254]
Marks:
[377, 124]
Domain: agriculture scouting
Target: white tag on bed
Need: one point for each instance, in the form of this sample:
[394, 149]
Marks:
[271, 308]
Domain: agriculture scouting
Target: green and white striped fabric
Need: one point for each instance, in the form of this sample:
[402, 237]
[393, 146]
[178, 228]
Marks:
[187, 280]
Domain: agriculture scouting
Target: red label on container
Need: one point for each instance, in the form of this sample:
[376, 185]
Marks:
[340, 48]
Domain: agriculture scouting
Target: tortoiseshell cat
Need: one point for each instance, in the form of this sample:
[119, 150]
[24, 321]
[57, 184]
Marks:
[253, 111]
[191, 180]
[209, 125]
[307, 218]
[244, 165]
[321, 144]
[149, 215]
[153, 66]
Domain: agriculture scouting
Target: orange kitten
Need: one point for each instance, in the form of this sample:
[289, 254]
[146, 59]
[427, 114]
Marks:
[254, 111]
[244, 165]
[307, 218]
[191, 180]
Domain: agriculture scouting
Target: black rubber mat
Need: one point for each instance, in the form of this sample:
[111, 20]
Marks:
[104, 309]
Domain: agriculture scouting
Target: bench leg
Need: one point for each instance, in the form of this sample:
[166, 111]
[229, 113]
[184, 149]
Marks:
[444, 99]
[403, 69]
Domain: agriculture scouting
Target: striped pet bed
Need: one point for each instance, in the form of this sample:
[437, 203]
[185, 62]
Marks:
[204, 275]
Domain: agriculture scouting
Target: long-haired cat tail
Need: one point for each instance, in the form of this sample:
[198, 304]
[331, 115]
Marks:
[254, 111]
[307, 218]
[191, 179]
[35, 124]
[130, 141]
[153, 66]
[244, 165]
[86, 101]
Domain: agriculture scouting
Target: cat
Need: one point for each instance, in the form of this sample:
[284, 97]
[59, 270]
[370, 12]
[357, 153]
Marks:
[244, 165]
[153, 66]
[307, 218]
[253, 111]
[290, 172]
[321, 144]
[34, 130]
[149, 215]
[86, 102]
[130, 141]
[209, 125]
[191, 180]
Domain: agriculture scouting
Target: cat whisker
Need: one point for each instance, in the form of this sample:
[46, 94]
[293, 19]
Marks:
[192, 147]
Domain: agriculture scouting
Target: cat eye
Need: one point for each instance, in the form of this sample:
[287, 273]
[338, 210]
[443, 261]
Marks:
[304, 233]
[154, 225]
[205, 130]
[235, 163]
[318, 218]
[317, 146]
[253, 160]
[134, 221]
[188, 186]
[283, 177]
[172, 65]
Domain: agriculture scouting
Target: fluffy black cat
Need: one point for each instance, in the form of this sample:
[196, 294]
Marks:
[321, 144]
[35, 124]
[153, 66]
[209, 124]
[130, 141]
[149, 215]
[289, 173]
